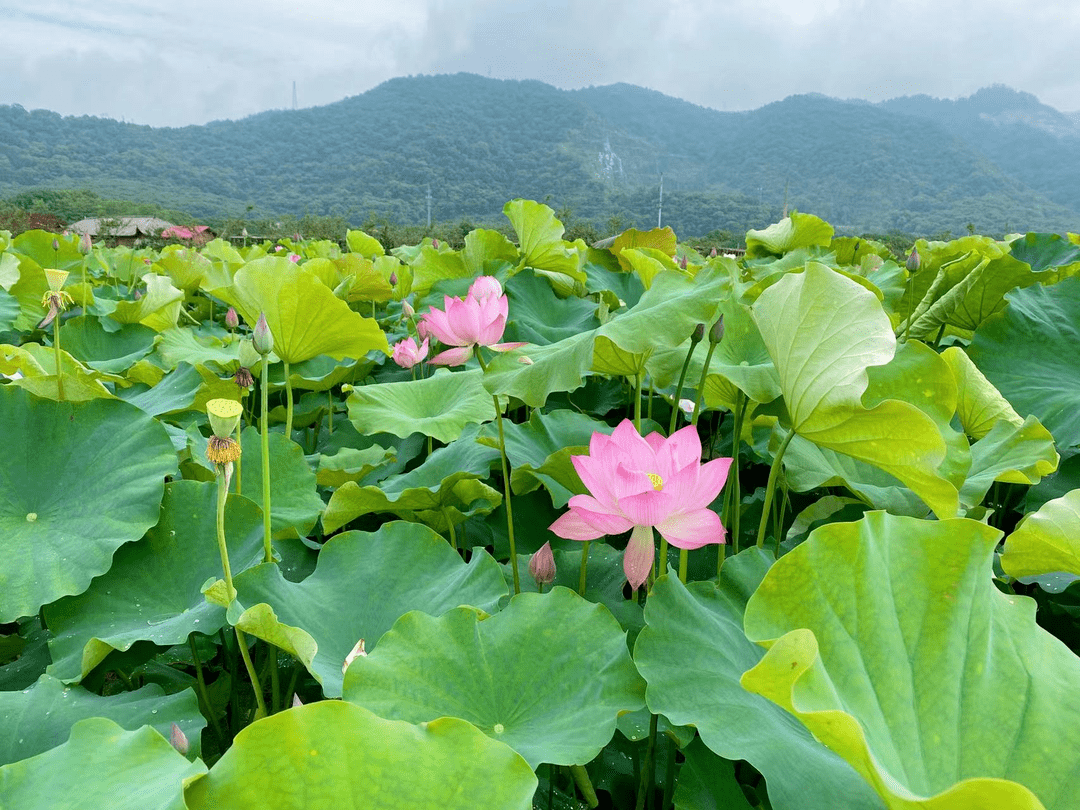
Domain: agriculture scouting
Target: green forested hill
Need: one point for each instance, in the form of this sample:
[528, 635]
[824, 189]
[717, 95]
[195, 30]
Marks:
[599, 152]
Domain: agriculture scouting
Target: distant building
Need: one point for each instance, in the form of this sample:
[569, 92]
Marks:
[122, 230]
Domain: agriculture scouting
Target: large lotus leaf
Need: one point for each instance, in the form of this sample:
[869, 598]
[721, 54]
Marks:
[1045, 251]
[662, 239]
[1013, 454]
[1048, 541]
[38, 245]
[350, 464]
[186, 267]
[1028, 353]
[449, 480]
[693, 652]
[153, 592]
[604, 276]
[790, 233]
[159, 307]
[294, 500]
[889, 641]
[439, 406]
[558, 704]
[362, 243]
[363, 583]
[9, 268]
[367, 284]
[980, 406]
[534, 373]
[176, 346]
[648, 263]
[79, 479]
[485, 249]
[540, 238]
[432, 265]
[610, 360]
[39, 718]
[28, 291]
[101, 765]
[538, 316]
[336, 755]
[823, 331]
[707, 782]
[9, 309]
[304, 316]
[37, 366]
[115, 352]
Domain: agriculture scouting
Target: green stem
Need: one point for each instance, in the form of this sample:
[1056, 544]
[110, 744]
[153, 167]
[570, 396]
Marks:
[584, 567]
[264, 423]
[940, 335]
[506, 496]
[203, 693]
[645, 785]
[330, 407]
[652, 391]
[59, 368]
[770, 489]
[291, 691]
[275, 679]
[637, 402]
[288, 403]
[669, 776]
[663, 561]
[678, 388]
[701, 383]
[584, 784]
[222, 495]
[245, 653]
[684, 555]
[237, 462]
[741, 405]
[450, 526]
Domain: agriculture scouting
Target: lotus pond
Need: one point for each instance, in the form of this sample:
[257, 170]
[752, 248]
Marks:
[535, 524]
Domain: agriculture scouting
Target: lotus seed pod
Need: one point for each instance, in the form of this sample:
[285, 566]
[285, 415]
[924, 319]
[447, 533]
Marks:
[249, 358]
[224, 416]
[85, 245]
[542, 565]
[261, 338]
[232, 320]
[178, 739]
[716, 334]
[56, 279]
[913, 261]
[698, 334]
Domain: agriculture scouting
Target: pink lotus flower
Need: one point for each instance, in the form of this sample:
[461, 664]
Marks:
[479, 320]
[407, 354]
[644, 483]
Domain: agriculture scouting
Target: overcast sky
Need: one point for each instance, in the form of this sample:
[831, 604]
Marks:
[171, 64]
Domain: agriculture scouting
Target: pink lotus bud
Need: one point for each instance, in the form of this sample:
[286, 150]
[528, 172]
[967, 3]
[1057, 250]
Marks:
[542, 566]
[682, 264]
[277, 248]
[232, 320]
[393, 279]
[913, 261]
[698, 334]
[137, 295]
[422, 329]
[296, 237]
[485, 287]
[296, 701]
[261, 338]
[716, 334]
[407, 309]
[178, 739]
[85, 245]
[712, 253]
[435, 243]
[357, 652]
[294, 258]
[55, 244]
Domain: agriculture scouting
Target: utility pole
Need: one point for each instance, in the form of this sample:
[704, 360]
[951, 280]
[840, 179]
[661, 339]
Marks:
[429, 205]
[294, 94]
[660, 207]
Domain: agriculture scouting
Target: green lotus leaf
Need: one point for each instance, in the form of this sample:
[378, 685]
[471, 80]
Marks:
[1045, 251]
[186, 267]
[159, 307]
[9, 308]
[101, 765]
[605, 276]
[449, 481]
[540, 238]
[534, 373]
[1028, 353]
[318, 374]
[38, 245]
[432, 265]
[335, 754]
[114, 352]
[1047, 541]
[613, 361]
[304, 316]
[37, 365]
[80, 480]
[439, 406]
[295, 504]
[540, 317]
[350, 464]
[823, 331]
[888, 640]
[9, 268]
[1013, 454]
[558, 704]
[153, 592]
[367, 284]
[39, 718]
[707, 782]
[485, 249]
[174, 392]
[28, 291]
[361, 586]
[980, 406]
[692, 653]
[790, 233]
[362, 243]
[176, 346]
[648, 263]
[662, 239]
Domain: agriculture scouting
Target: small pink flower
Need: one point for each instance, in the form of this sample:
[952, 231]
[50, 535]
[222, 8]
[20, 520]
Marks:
[542, 565]
[294, 258]
[407, 354]
[479, 320]
[644, 483]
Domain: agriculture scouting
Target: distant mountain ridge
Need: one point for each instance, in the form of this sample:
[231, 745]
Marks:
[998, 160]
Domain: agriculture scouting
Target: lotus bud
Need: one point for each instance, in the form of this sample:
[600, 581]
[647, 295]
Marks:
[407, 309]
[249, 358]
[913, 261]
[294, 258]
[55, 244]
[435, 243]
[296, 701]
[698, 334]
[356, 652]
[682, 264]
[542, 566]
[232, 320]
[261, 338]
[393, 279]
[56, 279]
[85, 245]
[712, 253]
[178, 739]
[224, 416]
[716, 334]
[137, 295]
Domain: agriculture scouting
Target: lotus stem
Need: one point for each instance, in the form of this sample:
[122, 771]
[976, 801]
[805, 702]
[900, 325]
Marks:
[645, 785]
[584, 567]
[222, 495]
[264, 385]
[245, 653]
[59, 367]
[506, 495]
[237, 462]
[330, 407]
[679, 388]
[288, 403]
[637, 401]
[733, 500]
[652, 391]
[663, 561]
[203, 693]
[450, 527]
[770, 488]
[701, 383]
[684, 555]
[584, 784]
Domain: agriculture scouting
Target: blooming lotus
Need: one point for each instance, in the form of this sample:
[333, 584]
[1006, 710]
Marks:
[407, 354]
[645, 483]
[478, 320]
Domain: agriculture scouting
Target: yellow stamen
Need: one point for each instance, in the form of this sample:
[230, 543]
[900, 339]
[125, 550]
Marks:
[657, 481]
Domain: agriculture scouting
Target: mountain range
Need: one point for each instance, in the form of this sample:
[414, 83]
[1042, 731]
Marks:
[997, 161]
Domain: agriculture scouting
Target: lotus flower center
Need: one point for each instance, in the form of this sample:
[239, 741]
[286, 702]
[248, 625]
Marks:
[31, 517]
[657, 481]
[499, 728]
